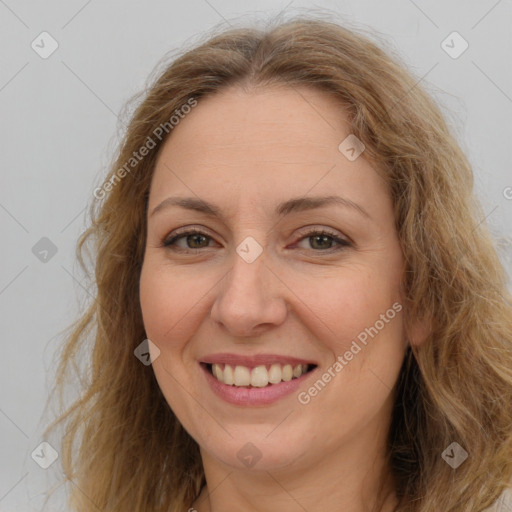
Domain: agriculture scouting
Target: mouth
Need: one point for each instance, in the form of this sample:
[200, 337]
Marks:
[259, 376]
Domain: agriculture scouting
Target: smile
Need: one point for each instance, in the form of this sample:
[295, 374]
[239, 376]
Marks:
[254, 381]
[257, 377]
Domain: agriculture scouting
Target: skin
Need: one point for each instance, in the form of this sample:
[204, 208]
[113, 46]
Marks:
[246, 152]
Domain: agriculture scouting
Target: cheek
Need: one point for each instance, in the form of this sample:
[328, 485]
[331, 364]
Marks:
[341, 307]
[357, 317]
[170, 307]
[372, 349]
[169, 303]
[366, 347]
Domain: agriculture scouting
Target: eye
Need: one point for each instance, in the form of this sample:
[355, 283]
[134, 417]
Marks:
[319, 240]
[192, 236]
[323, 240]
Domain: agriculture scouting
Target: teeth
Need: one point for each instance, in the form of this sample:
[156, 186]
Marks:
[287, 372]
[275, 373]
[217, 372]
[258, 377]
[242, 376]
[228, 375]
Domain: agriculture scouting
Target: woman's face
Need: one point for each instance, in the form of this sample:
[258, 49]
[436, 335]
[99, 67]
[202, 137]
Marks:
[261, 289]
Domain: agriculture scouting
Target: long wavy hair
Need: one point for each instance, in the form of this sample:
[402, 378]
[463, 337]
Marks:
[122, 446]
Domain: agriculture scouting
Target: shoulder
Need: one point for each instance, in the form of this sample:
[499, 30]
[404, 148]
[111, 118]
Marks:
[503, 503]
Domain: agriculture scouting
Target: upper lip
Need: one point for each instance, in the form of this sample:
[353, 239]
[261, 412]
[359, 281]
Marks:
[254, 360]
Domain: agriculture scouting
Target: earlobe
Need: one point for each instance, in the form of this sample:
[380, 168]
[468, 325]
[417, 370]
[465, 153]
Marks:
[418, 330]
[417, 327]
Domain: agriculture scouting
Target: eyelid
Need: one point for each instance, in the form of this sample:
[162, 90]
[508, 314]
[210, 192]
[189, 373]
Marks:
[315, 228]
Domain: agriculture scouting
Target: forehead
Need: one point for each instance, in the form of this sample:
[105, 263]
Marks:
[277, 119]
[264, 143]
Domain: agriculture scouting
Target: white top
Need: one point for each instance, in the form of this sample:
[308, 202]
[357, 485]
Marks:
[503, 503]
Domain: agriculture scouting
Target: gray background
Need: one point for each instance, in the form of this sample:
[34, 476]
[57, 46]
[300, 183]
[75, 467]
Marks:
[59, 128]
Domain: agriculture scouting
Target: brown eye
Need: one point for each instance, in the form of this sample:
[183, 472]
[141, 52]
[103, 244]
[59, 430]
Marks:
[194, 239]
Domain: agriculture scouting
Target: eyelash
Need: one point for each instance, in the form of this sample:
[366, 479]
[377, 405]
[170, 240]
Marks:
[342, 243]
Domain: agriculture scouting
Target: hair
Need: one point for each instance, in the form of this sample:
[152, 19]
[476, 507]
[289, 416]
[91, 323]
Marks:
[133, 454]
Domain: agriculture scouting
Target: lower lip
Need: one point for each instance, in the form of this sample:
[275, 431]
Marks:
[253, 396]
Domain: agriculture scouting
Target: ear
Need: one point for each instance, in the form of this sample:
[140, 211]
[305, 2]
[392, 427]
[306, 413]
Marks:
[419, 329]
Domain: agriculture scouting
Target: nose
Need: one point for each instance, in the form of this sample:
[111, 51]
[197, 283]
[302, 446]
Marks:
[251, 298]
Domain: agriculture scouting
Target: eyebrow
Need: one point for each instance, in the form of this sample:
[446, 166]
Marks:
[297, 204]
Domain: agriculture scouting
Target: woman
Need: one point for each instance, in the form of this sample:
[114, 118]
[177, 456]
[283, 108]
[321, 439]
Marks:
[298, 306]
